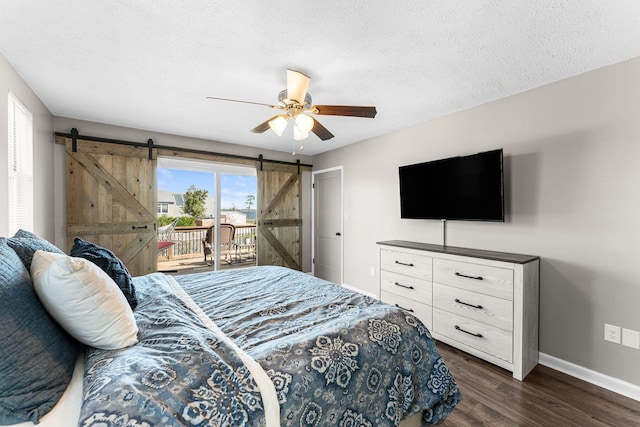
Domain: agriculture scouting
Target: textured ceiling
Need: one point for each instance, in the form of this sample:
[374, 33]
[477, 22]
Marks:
[149, 64]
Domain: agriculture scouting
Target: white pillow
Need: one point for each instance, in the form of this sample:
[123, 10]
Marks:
[84, 300]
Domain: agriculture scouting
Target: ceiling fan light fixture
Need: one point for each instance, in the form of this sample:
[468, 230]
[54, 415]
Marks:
[278, 124]
[283, 100]
[296, 103]
[304, 123]
[298, 135]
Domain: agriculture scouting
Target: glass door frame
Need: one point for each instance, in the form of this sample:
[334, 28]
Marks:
[217, 169]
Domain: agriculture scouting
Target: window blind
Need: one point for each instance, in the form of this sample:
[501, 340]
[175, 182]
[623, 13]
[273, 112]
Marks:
[20, 121]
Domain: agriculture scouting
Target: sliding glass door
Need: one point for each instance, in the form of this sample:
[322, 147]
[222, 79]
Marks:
[215, 204]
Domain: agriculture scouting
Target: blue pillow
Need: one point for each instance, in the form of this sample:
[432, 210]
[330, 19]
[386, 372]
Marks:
[36, 355]
[110, 264]
[25, 244]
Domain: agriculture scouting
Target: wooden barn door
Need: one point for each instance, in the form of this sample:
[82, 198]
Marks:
[279, 205]
[112, 200]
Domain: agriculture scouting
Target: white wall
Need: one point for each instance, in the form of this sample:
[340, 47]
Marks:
[44, 192]
[572, 176]
[117, 132]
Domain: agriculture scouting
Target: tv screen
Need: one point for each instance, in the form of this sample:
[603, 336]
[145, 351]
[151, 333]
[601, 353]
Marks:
[460, 188]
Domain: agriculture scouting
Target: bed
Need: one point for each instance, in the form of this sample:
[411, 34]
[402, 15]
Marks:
[264, 346]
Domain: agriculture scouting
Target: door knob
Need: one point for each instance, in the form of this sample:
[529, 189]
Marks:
[338, 234]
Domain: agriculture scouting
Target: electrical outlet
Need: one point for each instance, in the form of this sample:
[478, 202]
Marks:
[631, 338]
[612, 333]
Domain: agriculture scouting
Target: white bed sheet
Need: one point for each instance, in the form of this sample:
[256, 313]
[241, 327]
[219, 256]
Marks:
[66, 413]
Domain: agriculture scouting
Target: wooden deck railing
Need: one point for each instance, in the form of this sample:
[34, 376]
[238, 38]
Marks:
[188, 241]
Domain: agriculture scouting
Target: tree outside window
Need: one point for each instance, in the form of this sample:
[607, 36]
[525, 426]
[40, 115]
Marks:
[194, 202]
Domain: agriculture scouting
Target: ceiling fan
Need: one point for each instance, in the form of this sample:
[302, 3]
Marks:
[295, 103]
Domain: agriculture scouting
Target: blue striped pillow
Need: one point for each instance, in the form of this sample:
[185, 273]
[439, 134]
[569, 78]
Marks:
[110, 264]
[25, 244]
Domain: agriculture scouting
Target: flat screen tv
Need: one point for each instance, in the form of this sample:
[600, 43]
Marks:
[469, 188]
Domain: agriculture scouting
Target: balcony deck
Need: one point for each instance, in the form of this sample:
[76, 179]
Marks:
[186, 256]
[197, 265]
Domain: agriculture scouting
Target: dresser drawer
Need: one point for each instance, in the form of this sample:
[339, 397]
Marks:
[493, 311]
[485, 279]
[406, 286]
[406, 263]
[420, 310]
[483, 337]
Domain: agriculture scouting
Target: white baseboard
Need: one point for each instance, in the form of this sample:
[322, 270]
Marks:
[360, 291]
[610, 383]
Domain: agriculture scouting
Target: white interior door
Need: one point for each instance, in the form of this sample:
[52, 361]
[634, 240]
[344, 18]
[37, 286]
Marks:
[327, 225]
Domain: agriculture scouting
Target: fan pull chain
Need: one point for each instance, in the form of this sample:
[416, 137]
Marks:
[293, 149]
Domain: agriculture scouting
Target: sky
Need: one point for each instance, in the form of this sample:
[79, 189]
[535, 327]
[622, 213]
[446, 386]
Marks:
[234, 188]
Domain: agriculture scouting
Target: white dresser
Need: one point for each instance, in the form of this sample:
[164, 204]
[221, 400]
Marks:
[482, 302]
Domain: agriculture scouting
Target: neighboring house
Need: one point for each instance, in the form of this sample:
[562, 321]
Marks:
[233, 217]
[226, 217]
[171, 204]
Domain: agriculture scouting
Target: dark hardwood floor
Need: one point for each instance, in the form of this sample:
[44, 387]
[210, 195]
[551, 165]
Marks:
[491, 397]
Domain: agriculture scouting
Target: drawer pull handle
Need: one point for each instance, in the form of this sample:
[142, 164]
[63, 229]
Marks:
[406, 309]
[404, 286]
[402, 263]
[133, 227]
[470, 277]
[467, 332]
[466, 303]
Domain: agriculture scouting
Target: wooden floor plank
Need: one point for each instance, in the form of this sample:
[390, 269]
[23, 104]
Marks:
[546, 397]
[539, 407]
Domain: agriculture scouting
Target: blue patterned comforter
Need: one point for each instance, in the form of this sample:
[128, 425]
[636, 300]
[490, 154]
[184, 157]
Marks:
[334, 357]
[183, 371]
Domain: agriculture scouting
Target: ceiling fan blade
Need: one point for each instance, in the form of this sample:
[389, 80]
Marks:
[264, 126]
[245, 102]
[321, 131]
[297, 85]
[344, 110]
